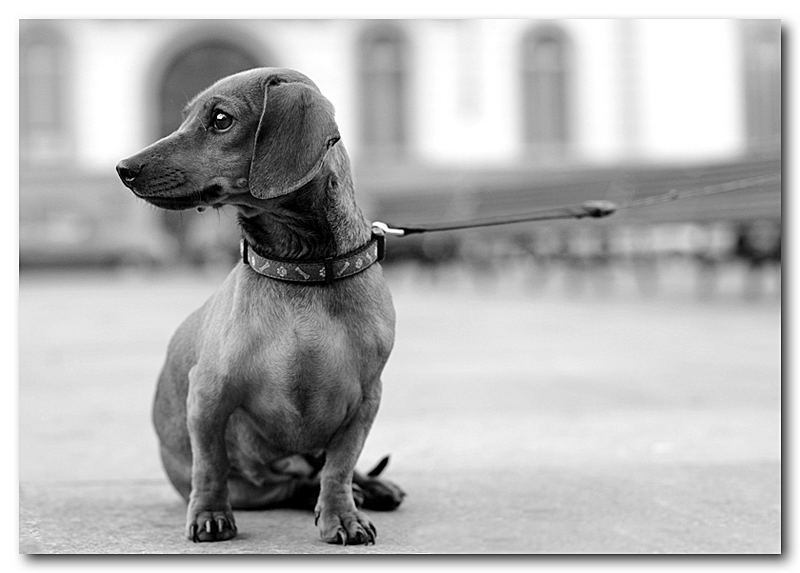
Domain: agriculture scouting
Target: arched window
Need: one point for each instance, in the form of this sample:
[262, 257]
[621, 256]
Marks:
[192, 70]
[383, 71]
[545, 90]
[187, 72]
[43, 68]
[762, 84]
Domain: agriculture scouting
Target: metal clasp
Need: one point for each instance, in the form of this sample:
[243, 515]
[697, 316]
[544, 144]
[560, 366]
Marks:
[387, 229]
[243, 247]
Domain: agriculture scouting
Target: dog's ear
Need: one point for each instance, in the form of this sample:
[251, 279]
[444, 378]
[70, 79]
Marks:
[294, 134]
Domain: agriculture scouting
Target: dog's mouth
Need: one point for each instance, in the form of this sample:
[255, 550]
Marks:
[174, 203]
[212, 196]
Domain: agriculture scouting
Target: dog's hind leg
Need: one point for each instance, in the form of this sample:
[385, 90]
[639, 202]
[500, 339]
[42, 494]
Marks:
[369, 492]
[297, 493]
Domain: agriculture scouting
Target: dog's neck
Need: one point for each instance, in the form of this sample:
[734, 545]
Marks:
[321, 219]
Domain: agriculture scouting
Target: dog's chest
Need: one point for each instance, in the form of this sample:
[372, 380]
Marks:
[308, 372]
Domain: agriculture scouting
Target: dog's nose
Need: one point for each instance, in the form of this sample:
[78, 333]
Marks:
[128, 171]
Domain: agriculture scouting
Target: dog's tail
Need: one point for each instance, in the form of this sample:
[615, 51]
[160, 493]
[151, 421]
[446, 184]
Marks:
[378, 469]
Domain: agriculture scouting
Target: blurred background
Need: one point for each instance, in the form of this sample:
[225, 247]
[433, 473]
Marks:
[580, 386]
[444, 119]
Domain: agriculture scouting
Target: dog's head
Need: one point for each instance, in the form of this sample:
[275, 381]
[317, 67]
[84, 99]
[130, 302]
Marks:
[251, 136]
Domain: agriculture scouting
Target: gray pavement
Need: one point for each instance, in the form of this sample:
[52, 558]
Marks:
[516, 423]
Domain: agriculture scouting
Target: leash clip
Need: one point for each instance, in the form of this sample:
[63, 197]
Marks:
[387, 229]
[380, 237]
[243, 247]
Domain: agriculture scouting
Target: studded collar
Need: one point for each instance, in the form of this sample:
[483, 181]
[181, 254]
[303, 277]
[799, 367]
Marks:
[323, 271]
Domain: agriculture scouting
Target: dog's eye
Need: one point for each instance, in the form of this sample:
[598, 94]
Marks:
[221, 121]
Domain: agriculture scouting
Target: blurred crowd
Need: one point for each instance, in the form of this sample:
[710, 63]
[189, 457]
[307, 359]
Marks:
[580, 257]
[586, 257]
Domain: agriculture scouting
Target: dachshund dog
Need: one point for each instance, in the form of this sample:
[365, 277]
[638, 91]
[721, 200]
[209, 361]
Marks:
[270, 388]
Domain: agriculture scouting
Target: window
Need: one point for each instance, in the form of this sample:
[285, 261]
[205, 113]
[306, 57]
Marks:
[43, 59]
[762, 85]
[192, 70]
[545, 90]
[189, 71]
[383, 70]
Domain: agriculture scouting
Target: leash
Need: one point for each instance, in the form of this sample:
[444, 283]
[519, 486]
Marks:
[335, 268]
[595, 209]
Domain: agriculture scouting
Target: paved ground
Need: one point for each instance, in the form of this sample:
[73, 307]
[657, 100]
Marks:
[516, 422]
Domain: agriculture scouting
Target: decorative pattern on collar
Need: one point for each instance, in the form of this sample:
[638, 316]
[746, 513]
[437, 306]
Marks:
[318, 271]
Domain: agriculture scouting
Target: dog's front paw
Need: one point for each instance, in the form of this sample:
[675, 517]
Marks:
[210, 525]
[345, 528]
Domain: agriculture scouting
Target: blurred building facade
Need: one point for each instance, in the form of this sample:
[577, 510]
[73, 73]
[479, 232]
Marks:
[443, 118]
